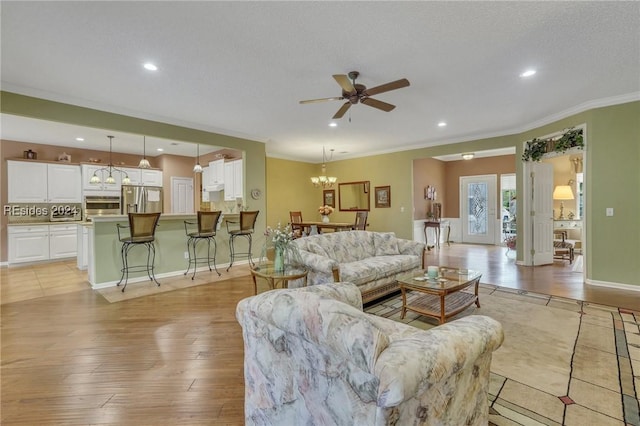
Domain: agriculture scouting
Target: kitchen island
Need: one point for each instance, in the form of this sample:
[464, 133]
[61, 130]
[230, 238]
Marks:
[103, 248]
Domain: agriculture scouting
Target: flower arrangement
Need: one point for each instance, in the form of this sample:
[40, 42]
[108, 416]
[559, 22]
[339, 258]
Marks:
[280, 237]
[510, 242]
[325, 210]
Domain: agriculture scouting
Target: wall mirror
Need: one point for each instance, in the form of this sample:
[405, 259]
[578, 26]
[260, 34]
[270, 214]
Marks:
[353, 196]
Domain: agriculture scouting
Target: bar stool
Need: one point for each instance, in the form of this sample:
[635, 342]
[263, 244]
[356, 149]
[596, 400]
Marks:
[247, 222]
[207, 225]
[142, 231]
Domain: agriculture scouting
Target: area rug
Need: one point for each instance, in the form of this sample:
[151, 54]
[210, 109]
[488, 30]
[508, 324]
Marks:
[563, 362]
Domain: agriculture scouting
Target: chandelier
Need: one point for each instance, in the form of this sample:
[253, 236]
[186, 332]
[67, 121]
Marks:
[110, 180]
[324, 180]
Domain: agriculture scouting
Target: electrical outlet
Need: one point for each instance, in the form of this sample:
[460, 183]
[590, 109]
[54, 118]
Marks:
[609, 211]
[186, 254]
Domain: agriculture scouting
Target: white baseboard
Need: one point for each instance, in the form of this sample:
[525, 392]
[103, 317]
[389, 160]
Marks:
[618, 286]
[107, 284]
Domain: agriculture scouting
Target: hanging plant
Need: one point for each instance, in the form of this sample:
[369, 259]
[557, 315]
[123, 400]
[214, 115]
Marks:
[534, 150]
[570, 139]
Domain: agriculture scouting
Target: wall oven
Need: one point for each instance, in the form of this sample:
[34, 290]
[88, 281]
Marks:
[101, 205]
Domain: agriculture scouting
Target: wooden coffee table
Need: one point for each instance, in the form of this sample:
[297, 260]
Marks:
[441, 298]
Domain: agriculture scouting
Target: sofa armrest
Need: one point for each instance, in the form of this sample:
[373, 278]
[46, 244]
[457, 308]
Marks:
[412, 247]
[412, 365]
[318, 263]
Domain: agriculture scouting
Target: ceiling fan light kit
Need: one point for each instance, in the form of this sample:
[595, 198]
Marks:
[355, 93]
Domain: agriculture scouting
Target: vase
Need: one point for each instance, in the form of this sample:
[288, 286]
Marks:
[278, 262]
[325, 218]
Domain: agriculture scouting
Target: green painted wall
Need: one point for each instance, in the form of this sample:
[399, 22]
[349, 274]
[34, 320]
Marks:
[612, 179]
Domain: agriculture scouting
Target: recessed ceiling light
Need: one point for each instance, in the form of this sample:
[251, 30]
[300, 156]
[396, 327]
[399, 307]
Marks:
[160, 149]
[442, 124]
[333, 124]
[151, 67]
[468, 155]
[80, 139]
[528, 73]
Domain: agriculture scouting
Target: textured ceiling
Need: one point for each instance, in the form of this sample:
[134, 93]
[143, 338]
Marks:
[240, 68]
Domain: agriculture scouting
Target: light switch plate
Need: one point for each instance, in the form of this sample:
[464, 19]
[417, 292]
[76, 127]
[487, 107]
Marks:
[609, 211]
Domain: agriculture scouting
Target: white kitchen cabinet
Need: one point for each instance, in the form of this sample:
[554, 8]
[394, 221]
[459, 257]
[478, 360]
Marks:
[83, 247]
[216, 172]
[205, 179]
[151, 177]
[63, 241]
[87, 172]
[27, 182]
[233, 180]
[63, 183]
[28, 243]
[30, 182]
[32, 243]
[135, 177]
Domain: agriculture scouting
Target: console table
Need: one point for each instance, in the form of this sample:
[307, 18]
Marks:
[436, 225]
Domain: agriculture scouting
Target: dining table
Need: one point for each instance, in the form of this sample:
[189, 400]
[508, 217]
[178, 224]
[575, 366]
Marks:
[318, 227]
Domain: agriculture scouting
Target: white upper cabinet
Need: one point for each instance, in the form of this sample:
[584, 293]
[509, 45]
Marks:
[233, 180]
[135, 177]
[216, 172]
[27, 182]
[151, 177]
[63, 182]
[103, 173]
[43, 183]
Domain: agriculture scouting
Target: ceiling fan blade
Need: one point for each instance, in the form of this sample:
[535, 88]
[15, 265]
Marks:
[342, 110]
[398, 84]
[377, 104]
[345, 83]
[313, 101]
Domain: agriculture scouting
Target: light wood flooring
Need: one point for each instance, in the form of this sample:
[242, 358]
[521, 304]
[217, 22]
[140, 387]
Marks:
[69, 356]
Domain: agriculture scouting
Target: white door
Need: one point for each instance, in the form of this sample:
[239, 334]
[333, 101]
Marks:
[181, 195]
[538, 213]
[478, 208]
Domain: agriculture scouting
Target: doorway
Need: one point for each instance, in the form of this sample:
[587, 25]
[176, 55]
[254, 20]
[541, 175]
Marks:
[182, 195]
[478, 208]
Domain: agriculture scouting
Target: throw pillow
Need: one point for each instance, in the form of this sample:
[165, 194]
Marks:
[386, 244]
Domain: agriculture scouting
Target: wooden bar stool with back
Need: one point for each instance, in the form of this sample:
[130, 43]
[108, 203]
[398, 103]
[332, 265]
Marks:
[142, 231]
[207, 227]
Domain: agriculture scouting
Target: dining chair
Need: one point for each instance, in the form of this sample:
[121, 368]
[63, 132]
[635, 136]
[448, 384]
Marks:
[247, 223]
[298, 230]
[361, 221]
[207, 226]
[142, 231]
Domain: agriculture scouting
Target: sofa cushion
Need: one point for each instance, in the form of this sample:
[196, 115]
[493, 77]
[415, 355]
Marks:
[385, 243]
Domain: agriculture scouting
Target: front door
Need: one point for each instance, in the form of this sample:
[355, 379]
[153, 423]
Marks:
[478, 208]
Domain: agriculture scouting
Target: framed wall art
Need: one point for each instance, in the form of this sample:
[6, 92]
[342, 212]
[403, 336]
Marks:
[383, 196]
[329, 197]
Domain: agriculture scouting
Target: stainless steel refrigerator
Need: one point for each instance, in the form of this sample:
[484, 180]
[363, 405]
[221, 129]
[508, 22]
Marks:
[141, 199]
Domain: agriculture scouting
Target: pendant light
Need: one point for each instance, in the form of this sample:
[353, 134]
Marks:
[144, 163]
[110, 180]
[197, 168]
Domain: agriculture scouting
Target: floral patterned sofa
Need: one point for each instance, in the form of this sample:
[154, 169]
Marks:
[371, 260]
[312, 357]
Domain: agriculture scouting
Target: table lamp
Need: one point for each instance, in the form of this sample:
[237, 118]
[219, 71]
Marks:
[562, 192]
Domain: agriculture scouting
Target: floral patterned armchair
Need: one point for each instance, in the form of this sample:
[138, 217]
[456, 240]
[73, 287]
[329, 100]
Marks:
[313, 357]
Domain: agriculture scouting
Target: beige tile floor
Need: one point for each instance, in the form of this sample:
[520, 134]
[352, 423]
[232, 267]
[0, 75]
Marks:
[18, 283]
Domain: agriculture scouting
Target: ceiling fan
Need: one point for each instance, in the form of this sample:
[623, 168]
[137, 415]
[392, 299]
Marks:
[354, 92]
